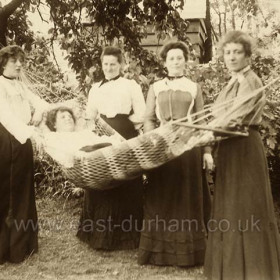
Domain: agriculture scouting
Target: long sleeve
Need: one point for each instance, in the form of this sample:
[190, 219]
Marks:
[250, 83]
[199, 104]
[138, 105]
[35, 101]
[91, 109]
[13, 124]
[150, 114]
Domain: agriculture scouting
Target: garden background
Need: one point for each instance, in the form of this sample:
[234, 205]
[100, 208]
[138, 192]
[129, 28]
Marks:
[78, 30]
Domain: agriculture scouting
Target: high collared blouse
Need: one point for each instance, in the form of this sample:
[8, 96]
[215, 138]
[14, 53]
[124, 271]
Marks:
[16, 105]
[120, 96]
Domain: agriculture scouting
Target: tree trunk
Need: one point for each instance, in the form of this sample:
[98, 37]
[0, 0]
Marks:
[225, 22]
[220, 25]
[5, 13]
[208, 43]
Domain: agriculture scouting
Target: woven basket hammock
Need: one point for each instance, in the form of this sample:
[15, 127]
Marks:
[108, 167]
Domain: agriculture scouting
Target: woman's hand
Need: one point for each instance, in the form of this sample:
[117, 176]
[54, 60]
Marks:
[208, 161]
[37, 117]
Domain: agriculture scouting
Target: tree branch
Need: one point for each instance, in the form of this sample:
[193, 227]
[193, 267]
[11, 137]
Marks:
[9, 9]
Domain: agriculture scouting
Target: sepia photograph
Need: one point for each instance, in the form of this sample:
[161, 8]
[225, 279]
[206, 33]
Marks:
[139, 139]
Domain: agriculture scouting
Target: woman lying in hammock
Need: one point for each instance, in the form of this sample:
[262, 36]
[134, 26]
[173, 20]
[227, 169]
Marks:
[63, 142]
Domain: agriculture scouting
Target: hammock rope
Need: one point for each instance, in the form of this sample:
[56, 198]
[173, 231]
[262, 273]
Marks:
[106, 167]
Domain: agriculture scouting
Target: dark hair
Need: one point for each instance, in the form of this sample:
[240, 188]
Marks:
[7, 52]
[237, 37]
[113, 51]
[174, 45]
[51, 116]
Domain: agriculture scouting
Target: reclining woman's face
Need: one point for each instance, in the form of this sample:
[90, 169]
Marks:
[64, 122]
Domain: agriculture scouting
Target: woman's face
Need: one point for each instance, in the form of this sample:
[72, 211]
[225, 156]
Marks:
[110, 66]
[235, 57]
[13, 67]
[64, 122]
[175, 62]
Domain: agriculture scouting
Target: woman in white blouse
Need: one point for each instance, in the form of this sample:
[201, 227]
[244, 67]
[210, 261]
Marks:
[111, 219]
[18, 216]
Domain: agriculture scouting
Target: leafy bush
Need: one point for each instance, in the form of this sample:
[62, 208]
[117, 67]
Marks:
[145, 69]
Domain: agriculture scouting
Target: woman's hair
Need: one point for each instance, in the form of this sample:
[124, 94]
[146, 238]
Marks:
[113, 51]
[51, 116]
[237, 37]
[174, 45]
[7, 52]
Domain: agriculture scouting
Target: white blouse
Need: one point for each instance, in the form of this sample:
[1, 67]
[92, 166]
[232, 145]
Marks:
[65, 146]
[16, 102]
[121, 96]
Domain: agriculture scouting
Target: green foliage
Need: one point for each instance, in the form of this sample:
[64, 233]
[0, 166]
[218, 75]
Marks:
[84, 27]
[47, 81]
[18, 29]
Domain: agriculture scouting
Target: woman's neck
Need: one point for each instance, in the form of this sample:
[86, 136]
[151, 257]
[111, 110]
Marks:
[112, 78]
[174, 77]
[243, 70]
[7, 77]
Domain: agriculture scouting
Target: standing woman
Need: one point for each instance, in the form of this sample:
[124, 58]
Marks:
[18, 216]
[177, 198]
[243, 236]
[112, 219]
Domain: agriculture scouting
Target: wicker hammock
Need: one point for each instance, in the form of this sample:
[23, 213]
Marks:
[105, 168]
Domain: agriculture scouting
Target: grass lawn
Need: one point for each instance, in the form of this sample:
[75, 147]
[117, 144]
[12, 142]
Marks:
[62, 256]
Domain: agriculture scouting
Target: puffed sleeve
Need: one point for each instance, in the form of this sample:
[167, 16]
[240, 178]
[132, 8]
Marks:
[14, 125]
[138, 104]
[251, 83]
[150, 114]
[91, 109]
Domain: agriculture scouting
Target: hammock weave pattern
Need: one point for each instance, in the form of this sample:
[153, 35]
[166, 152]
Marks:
[107, 167]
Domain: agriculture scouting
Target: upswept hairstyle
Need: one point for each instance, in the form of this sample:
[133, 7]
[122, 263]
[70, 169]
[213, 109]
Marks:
[51, 116]
[237, 37]
[7, 52]
[174, 45]
[115, 51]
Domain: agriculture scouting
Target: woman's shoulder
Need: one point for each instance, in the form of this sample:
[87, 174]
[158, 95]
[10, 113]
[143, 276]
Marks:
[253, 79]
[128, 85]
[252, 74]
[127, 81]
[8, 85]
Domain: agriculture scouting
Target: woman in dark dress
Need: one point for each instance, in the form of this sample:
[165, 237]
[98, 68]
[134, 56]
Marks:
[112, 219]
[18, 216]
[243, 240]
[177, 200]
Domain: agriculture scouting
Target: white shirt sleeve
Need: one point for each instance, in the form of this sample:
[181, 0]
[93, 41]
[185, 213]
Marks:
[138, 104]
[14, 125]
[91, 109]
[35, 101]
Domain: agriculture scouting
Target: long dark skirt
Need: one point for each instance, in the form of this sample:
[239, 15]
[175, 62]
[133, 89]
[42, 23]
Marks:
[112, 219]
[243, 236]
[176, 209]
[18, 216]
